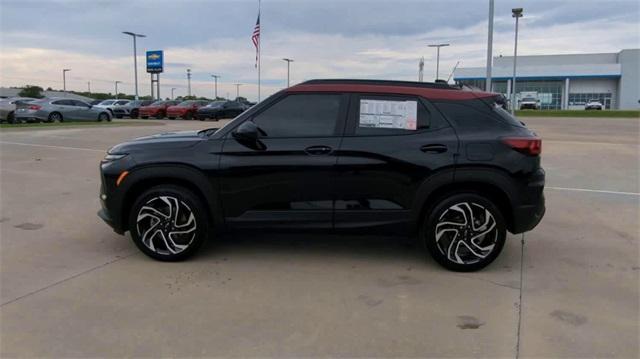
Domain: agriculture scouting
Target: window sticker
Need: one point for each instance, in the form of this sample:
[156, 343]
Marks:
[389, 114]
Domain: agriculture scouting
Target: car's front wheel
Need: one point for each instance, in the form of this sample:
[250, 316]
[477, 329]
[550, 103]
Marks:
[104, 117]
[464, 232]
[168, 223]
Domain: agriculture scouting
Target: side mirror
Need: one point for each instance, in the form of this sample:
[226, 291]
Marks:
[247, 132]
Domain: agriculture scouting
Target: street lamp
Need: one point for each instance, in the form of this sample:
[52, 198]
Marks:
[289, 61]
[189, 82]
[135, 55]
[489, 47]
[116, 83]
[237, 90]
[172, 89]
[64, 79]
[517, 13]
[215, 78]
[438, 46]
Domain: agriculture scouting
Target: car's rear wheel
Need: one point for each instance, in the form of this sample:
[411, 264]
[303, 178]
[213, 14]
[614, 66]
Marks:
[168, 223]
[464, 232]
[55, 116]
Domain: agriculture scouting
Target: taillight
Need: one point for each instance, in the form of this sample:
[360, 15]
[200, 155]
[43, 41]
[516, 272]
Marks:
[531, 146]
[34, 107]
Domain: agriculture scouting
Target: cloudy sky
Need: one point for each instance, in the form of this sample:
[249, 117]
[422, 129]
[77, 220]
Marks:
[327, 39]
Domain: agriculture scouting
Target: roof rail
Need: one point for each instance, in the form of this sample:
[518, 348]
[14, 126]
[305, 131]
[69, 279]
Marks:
[434, 85]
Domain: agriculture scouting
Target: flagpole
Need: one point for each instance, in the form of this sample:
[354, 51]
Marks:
[259, 51]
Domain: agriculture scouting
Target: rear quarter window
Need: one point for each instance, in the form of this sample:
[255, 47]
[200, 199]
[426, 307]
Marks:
[476, 113]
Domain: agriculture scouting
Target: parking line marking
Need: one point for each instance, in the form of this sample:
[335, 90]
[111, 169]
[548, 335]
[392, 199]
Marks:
[594, 191]
[51, 146]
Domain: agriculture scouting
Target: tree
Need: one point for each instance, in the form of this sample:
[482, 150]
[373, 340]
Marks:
[31, 91]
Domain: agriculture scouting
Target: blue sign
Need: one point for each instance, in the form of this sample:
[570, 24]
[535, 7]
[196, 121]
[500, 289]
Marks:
[155, 60]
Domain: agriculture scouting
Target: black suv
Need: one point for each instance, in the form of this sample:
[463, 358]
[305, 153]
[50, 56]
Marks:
[448, 166]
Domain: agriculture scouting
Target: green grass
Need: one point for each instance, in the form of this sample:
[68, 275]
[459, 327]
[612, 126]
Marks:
[580, 113]
[8, 126]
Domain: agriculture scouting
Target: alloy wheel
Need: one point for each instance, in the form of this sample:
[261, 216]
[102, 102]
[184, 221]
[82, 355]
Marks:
[466, 233]
[166, 225]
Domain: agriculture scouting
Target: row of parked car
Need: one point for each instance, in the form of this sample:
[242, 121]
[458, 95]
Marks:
[24, 109]
[189, 109]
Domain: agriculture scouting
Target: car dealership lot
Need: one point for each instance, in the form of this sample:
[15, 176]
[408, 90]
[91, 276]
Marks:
[72, 287]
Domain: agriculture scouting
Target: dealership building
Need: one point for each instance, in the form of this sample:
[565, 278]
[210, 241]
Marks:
[566, 81]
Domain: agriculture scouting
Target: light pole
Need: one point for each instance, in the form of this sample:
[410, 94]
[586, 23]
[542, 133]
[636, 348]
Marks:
[215, 79]
[438, 46]
[517, 13]
[289, 61]
[237, 90]
[89, 86]
[189, 82]
[64, 79]
[116, 83]
[135, 57]
[489, 47]
[172, 89]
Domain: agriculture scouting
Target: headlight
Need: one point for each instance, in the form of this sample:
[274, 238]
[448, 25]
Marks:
[110, 157]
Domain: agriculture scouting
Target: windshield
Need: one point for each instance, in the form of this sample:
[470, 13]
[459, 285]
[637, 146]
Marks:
[106, 103]
[122, 102]
[158, 103]
[186, 103]
[529, 99]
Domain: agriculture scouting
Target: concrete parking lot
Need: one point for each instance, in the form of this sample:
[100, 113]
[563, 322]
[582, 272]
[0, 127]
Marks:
[70, 287]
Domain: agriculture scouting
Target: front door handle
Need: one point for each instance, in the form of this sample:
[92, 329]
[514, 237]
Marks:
[434, 148]
[318, 150]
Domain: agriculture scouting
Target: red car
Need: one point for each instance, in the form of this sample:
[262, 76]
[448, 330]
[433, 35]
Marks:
[157, 109]
[185, 109]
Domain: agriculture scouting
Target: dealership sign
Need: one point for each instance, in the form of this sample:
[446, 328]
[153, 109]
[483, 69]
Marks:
[154, 61]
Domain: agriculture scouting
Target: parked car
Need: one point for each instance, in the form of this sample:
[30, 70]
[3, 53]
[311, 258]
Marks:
[444, 165]
[593, 105]
[130, 109]
[157, 109]
[110, 104]
[8, 107]
[60, 109]
[185, 109]
[529, 103]
[220, 109]
[95, 102]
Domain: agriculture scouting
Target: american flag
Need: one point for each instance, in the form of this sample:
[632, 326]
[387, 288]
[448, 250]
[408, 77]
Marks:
[256, 38]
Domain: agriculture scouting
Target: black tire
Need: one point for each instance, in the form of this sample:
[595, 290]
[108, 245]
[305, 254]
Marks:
[188, 116]
[55, 116]
[141, 220]
[103, 116]
[160, 116]
[11, 117]
[145, 117]
[172, 118]
[133, 114]
[448, 218]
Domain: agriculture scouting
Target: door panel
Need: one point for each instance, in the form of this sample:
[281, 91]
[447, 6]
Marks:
[285, 180]
[379, 173]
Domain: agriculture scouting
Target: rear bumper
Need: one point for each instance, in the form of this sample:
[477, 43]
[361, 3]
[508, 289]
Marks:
[527, 217]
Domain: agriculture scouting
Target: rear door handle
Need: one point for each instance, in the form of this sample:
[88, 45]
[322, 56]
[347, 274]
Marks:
[433, 148]
[318, 150]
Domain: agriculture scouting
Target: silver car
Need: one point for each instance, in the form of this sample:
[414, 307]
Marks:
[8, 107]
[60, 109]
[109, 105]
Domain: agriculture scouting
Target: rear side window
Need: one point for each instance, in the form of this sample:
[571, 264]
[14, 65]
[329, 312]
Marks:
[301, 115]
[390, 115]
[476, 113]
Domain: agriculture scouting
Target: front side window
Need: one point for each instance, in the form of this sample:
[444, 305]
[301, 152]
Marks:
[301, 115]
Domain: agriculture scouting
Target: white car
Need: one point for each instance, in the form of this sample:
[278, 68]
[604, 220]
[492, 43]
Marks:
[593, 105]
[110, 104]
[529, 103]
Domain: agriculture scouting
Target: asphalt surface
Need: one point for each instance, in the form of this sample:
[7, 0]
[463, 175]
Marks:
[70, 287]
